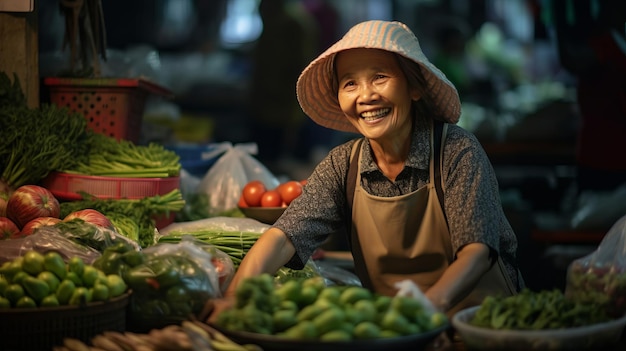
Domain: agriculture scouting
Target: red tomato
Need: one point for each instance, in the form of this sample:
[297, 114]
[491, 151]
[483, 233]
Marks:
[290, 190]
[252, 192]
[242, 202]
[303, 182]
[271, 198]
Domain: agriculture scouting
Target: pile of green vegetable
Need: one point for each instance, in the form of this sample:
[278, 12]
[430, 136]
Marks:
[36, 141]
[530, 310]
[122, 158]
[307, 309]
[167, 287]
[51, 138]
[89, 235]
[46, 280]
[233, 243]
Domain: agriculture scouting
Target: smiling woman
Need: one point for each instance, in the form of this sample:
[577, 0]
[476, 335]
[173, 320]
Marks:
[375, 97]
[418, 189]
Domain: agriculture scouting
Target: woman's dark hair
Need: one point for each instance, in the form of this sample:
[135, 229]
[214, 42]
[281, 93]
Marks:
[416, 80]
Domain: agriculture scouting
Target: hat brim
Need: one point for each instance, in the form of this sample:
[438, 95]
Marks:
[314, 86]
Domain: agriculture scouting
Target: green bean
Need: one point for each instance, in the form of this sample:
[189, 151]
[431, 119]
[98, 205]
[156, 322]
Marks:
[235, 244]
[110, 157]
[541, 310]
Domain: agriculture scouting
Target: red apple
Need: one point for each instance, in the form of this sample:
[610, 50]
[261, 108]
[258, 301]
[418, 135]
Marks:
[29, 202]
[7, 228]
[91, 216]
[30, 227]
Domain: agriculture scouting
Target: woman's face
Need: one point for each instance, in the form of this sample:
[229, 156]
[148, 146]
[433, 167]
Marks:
[373, 93]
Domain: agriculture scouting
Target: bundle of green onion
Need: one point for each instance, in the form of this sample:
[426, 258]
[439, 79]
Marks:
[122, 158]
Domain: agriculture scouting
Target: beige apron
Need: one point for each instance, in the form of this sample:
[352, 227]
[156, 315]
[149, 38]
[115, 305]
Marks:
[407, 237]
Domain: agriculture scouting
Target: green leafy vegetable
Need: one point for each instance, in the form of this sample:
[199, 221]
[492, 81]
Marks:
[122, 158]
[37, 141]
[89, 235]
[541, 310]
[11, 92]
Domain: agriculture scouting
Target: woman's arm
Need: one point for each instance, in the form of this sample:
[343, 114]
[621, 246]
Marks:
[270, 252]
[461, 276]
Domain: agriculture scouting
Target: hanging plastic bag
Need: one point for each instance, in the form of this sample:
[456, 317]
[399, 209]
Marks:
[224, 182]
[600, 277]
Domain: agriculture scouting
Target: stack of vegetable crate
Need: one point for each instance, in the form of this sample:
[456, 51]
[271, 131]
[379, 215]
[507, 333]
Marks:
[127, 182]
[117, 169]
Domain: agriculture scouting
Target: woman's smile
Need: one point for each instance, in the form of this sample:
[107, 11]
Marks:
[374, 94]
[370, 116]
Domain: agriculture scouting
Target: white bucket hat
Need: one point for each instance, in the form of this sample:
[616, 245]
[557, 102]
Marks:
[315, 85]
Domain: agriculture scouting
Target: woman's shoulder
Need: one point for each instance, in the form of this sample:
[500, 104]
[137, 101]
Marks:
[337, 158]
[342, 151]
[461, 137]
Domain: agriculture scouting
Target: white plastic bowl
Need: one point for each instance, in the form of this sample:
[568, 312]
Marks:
[589, 337]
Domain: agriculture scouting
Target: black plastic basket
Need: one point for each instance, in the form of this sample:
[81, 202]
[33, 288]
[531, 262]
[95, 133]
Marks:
[43, 328]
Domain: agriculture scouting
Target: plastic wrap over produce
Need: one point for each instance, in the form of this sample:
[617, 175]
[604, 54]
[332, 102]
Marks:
[43, 240]
[233, 224]
[173, 283]
[71, 238]
[600, 277]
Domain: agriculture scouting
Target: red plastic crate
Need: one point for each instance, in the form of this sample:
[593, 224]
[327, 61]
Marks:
[65, 186]
[112, 106]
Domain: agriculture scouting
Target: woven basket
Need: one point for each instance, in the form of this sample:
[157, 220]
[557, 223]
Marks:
[34, 329]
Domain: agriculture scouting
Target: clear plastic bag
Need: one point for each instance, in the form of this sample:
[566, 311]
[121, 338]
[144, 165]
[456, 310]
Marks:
[225, 180]
[408, 288]
[173, 284]
[191, 249]
[223, 266]
[43, 240]
[231, 224]
[600, 277]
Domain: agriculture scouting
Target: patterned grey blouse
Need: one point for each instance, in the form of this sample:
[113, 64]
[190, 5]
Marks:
[472, 199]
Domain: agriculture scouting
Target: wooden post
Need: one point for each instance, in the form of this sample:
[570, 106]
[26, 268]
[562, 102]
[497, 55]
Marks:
[19, 51]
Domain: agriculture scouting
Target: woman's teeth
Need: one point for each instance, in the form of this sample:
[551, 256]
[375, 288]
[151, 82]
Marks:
[372, 115]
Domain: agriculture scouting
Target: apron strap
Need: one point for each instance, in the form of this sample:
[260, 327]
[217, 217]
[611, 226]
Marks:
[437, 147]
[353, 168]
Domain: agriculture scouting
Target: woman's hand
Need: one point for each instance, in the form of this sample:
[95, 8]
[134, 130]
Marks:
[461, 276]
[214, 307]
